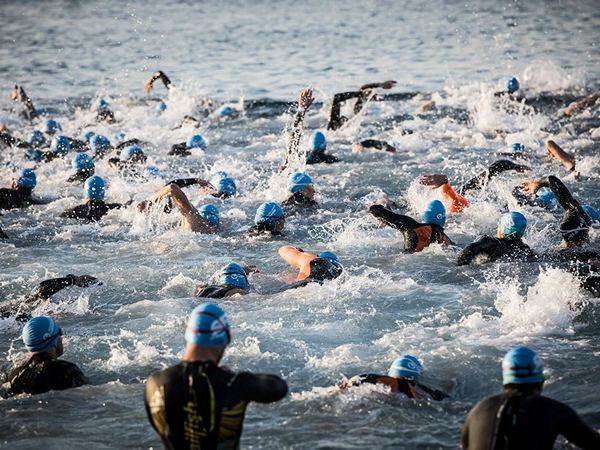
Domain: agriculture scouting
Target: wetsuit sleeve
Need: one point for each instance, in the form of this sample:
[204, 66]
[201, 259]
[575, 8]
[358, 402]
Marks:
[379, 145]
[464, 434]
[457, 202]
[128, 142]
[565, 198]
[497, 167]
[294, 141]
[335, 118]
[179, 149]
[481, 247]
[48, 288]
[184, 182]
[577, 432]
[115, 205]
[522, 199]
[115, 162]
[77, 212]
[392, 219]
[7, 139]
[155, 407]
[435, 394]
[262, 388]
[65, 375]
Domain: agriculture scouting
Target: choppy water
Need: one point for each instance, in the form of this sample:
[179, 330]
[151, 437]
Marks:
[459, 321]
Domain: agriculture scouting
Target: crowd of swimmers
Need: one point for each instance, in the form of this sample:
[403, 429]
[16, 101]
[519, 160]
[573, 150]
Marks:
[200, 404]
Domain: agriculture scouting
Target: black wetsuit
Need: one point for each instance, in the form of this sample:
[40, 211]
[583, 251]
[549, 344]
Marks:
[524, 422]
[299, 200]
[584, 264]
[91, 211]
[575, 223]
[494, 169]
[202, 406]
[336, 120]
[417, 235]
[42, 373]
[411, 389]
[3, 235]
[81, 176]
[377, 144]
[219, 291]
[7, 140]
[106, 115]
[19, 197]
[180, 149]
[496, 248]
[78, 145]
[320, 157]
[263, 228]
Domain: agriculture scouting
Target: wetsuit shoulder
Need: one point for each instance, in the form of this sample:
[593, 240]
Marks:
[47, 375]
[179, 149]
[479, 426]
[87, 212]
[219, 291]
[13, 198]
[322, 269]
[260, 388]
[483, 246]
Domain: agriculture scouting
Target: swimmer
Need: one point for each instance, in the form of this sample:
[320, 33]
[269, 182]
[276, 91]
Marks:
[336, 120]
[300, 185]
[417, 236]
[269, 219]
[19, 195]
[159, 75]
[21, 309]
[43, 371]
[100, 146]
[83, 166]
[129, 158]
[518, 151]
[581, 104]
[103, 111]
[94, 206]
[402, 378]
[186, 148]
[60, 146]
[230, 280]
[508, 244]
[457, 200]
[198, 403]
[373, 144]
[512, 86]
[204, 219]
[222, 186]
[18, 94]
[521, 417]
[312, 267]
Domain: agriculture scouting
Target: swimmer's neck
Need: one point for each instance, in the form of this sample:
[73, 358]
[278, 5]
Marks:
[196, 353]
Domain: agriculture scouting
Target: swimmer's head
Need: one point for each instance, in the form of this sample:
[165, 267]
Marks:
[512, 85]
[547, 199]
[329, 256]
[234, 275]
[154, 171]
[521, 365]
[82, 163]
[300, 181]
[226, 186]
[27, 179]
[318, 143]
[60, 145]
[512, 224]
[211, 214]
[270, 215]
[94, 188]
[99, 144]
[592, 212]
[161, 106]
[208, 326]
[88, 135]
[196, 141]
[120, 136]
[225, 111]
[51, 126]
[41, 334]
[100, 105]
[133, 153]
[407, 367]
[435, 213]
[36, 138]
[518, 148]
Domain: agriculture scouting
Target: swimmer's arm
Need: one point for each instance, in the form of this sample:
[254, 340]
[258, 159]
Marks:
[494, 169]
[385, 85]
[305, 99]
[298, 259]
[554, 151]
[581, 104]
[262, 388]
[117, 205]
[48, 288]
[369, 378]
[392, 219]
[195, 222]
[18, 93]
[565, 198]
[129, 142]
[335, 118]
[379, 145]
[7, 139]
[435, 394]
[471, 251]
[155, 76]
[577, 431]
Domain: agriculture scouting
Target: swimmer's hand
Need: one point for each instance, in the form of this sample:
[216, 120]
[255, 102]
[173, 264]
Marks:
[388, 84]
[305, 99]
[83, 280]
[434, 181]
[530, 187]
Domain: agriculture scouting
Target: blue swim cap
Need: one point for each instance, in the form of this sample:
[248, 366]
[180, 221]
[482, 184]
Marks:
[234, 275]
[196, 141]
[518, 148]
[435, 213]
[225, 111]
[592, 212]
[40, 334]
[60, 145]
[512, 85]
[88, 135]
[161, 106]
[318, 143]
[36, 138]
[406, 367]
[513, 224]
[99, 144]
[208, 326]
[211, 214]
[521, 365]
[101, 105]
[547, 199]
[153, 170]
[298, 181]
[81, 162]
[94, 188]
[227, 186]
[120, 136]
[269, 213]
[128, 152]
[51, 126]
[27, 179]
[329, 256]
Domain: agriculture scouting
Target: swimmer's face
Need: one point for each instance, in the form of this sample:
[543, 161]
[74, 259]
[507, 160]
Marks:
[500, 233]
[278, 226]
[308, 192]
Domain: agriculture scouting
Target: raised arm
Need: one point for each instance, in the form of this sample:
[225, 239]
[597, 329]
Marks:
[581, 104]
[18, 94]
[392, 219]
[155, 76]
[48, 288]
[305, 99]
[335, 118]
[193, 220]
[554, 151]
[457, 202]
[494, 169]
